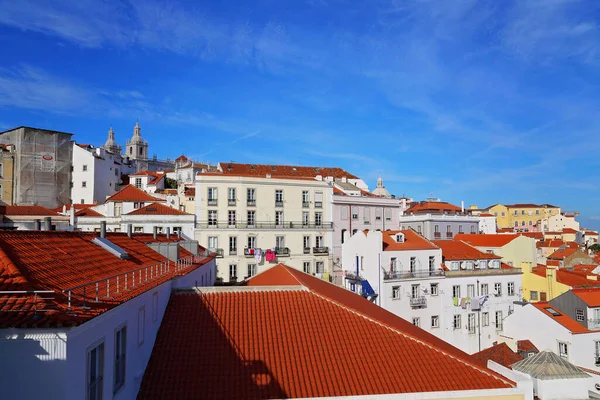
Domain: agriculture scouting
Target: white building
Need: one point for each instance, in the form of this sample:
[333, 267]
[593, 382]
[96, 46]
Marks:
[282, 209]
[60, 336]
[487, 223]
[448, 288]
[438, 220]
[148, 181]
[560, 221]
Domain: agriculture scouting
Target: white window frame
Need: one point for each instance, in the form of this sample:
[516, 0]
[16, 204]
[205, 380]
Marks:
[456, 291]
[471, 323]
[306, 267]
[499, 320]
[319, 267]
[232, 271]
[416, 321]
[511, 288]
[251, 270]
[534, 295]
[563, 349]
[395, 292]
[485, 319]
[98, 382]
[484, 289]
[435, 321]
[497, 288]
[434, 287]
[456, 321]
[579, 315]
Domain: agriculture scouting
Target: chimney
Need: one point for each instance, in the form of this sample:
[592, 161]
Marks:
[103, 229]
[155, 232]
[47, 223]
[37, 225]
[462, 206]
[129, 230]
[168, 233]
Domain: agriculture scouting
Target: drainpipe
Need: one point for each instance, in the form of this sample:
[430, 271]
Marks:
[129, 230]
[103, 229]
[37, 225]
[155, 232]
[168, 231]
[47, 223]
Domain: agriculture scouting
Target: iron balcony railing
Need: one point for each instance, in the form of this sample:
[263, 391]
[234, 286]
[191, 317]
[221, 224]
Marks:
[249, 252]
[251, 203]
[437, 235]
[112, 286]
[263, 225]
[282, 251]
[320, 250]
[305, 204]
[318, 204]
[418, 302]
[413, 275]
[306, 250]
[231, 202]
[448, 234]
[212, 202]
[278, 203]
[218, 252]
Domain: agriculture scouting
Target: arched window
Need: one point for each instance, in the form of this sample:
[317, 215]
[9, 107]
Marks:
[530, 223]
[343, 233]
[523, 223]
[130, 150]
[516, 223]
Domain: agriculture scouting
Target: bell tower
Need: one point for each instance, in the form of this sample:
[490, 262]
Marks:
[137, 148]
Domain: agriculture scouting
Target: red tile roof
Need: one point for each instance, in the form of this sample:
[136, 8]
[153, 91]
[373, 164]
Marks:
[157, 209]
[534, 235]
[26, 210]
[553, 243]
[566, 321]
[486, 215]
[569, 230]
[191, 192]
[569, 278]
[312, 339]
[591, 296]
[182, 158]
[591, 233]
[500, 353]
[131, 193]
[88, 212]
[56, 261]
[479, 240]
[426, 207]
[338, 191]
[526, 346]
[529, 205]
[412, 241]
[76, 206]
[457, 250]
[561, 254]
[275, 171]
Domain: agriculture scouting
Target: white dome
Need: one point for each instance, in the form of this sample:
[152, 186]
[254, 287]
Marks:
[380, 190]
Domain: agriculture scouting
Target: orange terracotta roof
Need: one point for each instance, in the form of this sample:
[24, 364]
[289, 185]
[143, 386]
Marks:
[591, 296]
[526, 346]
[26, 210]
[190, 192]
[554, 243]
[561, 254]
[529, 205]
[500, 353]
[412, 241]
[569, 278]
[88, 212]
[534, 235]
[261, 170]
[505, 230]
[432, 207]
[591, 233]
[552, 233]
[182, 158]
[338, 191]
[294, 343]
[76, 206]
[58, 260]
[479, 240]
[566, 321]
[157, 209]
[145, 173]
[457, 250]
[131, 193]
[486, 215]
[569, 230]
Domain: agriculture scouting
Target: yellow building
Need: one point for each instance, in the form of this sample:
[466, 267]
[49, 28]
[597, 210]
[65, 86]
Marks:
[544, 283]
[187, 200]
[522, 215]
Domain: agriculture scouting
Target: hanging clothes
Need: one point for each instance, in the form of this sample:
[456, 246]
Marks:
[257, 256]
[463, 303]
[455, 301]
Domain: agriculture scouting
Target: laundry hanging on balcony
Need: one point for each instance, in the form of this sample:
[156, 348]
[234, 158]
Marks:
[257, 255]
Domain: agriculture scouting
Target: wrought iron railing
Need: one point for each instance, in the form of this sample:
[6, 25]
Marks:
[320, 250]
[419, 301]
[263, 225]
[412, 275]
[282, 251]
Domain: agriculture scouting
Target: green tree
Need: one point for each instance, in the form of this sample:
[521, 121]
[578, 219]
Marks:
[170, 183]
[595, 247]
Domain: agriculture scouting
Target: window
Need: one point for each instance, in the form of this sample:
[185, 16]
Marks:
[471, 323]
[84, 168]
[413, 264]
[343, 234]
[471, 290]
[496, 214]
[522, 223]
[395, 292]
[231, 195]
[251, 197]
[212, 217]
[416, 321]
[278, 218]
[378, 214]
[250, 218]
[354, 212]
[579, 315]
[212, 196]
[251, 270]
[522, 212]
[232, 272]
[563, 350]
[537, 212]
[305, 198]
[419, 231]
[320, 267]
[431, 263]
[84, 184]
[82, 200]
[154, 306]
[388, 214]
[435, 321]
[485, 318]
[436, 228]
[318, 199]
[484, 289]
[278, 198]
[137, 205]
[533, 295]
[516, 212]
[318, 218]
[120, 352]
[213, 242]
[434, 289]
[415, 291]
[231, 218]
[498, 289]
[306, 267]
[469, 265]
[138, 229]
[455, 265]
[306, 244]
[473, 229]
[516, 223]
[456, 321]
[511, 288]
[280, 242]
[138, 183]
[456, 291]
[1, 170]
[252, 242]
[460, 229]
[95, 372]
[141, 325]
[530, 223]
[305, 218]
[319, 241]
[367, 215]
[232, 245]
[498, 320]
[344, 213]
[116, 171]
[483, 264]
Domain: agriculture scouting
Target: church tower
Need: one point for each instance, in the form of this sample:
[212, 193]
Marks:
[111, 144]
[137, 149]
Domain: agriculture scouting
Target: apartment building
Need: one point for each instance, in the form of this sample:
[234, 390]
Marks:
[438, 220]
[446, 287]
[257, 215]
[522, 217]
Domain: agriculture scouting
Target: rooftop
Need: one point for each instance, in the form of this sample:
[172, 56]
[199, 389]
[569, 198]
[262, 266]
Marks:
[590, 296]
[499, 353]
[131, 193]
[432, 207]
[276, 171]
[527, 346]
[412, 241]
[547, 366]
[563, 253]
[26, 210]
[562, 319]
[566, 277]
[55, 261]
[458, 250]
[287, 334]
[157, 209]
[491, 240]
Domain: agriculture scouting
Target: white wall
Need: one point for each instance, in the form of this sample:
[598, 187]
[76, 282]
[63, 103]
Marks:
[560, 389]
[487, 225]
[522, 380]
[148, 222]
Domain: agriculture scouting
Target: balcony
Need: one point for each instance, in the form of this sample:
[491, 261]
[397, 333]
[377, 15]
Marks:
[212, 202]
[251, 203]
[306, 250]
[233, 252]
[320, 251]
[318, 204]
[263, 225]
[437, 235]
[305, 204]
[413, 275]
[418, 302]
[282, 251]
[218, 251]
[249, 253]
[449, 235]
[278, 203]
[231, 202]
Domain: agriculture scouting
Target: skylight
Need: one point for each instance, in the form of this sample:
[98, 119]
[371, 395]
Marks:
[553, 311]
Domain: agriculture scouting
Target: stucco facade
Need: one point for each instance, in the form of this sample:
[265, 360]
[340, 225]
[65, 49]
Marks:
[527, 217]
[440, 226]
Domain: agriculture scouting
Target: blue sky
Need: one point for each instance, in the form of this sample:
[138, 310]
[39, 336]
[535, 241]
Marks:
[481, 101]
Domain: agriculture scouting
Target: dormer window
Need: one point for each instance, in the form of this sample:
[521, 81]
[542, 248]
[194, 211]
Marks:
[496, 264]
[399, 238]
